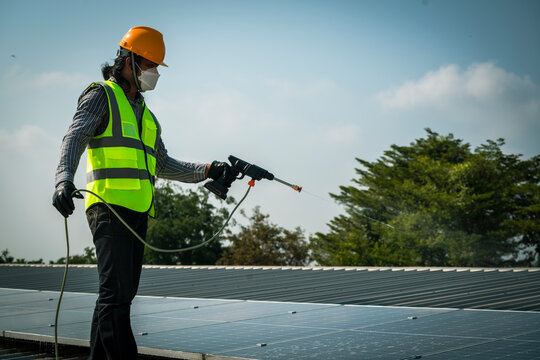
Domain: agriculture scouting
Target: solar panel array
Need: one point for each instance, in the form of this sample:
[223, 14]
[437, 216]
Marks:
[285, 330]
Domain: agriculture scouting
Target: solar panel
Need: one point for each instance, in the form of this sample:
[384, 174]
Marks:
[531, 336]
[34, 320]
[153, 305]
[348, 345]
[349, 317]
[220, 337]
[27, 297]
[277, 330]
[492, 350]
[470, 323]
[244, 310]
[70, 325]
[150, 325]
[4, 291]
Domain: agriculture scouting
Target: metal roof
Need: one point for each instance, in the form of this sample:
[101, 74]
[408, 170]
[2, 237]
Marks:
[472, 288]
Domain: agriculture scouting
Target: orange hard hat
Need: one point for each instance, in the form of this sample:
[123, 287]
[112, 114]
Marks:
[146, 42]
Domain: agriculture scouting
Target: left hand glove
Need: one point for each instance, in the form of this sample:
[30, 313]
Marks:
[62, 198]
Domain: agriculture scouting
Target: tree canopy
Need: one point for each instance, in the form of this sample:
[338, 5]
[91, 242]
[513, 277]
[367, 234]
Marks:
[88, 257]
[264, 243]
[437, 203]
[5, 258]
[184, 218]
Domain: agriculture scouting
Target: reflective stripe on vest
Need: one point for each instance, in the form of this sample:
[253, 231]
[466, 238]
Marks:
[120, 142]
[119, 173]
[121, 163]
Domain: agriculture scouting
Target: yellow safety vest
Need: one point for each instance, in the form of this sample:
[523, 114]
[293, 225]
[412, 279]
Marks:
[121, 164]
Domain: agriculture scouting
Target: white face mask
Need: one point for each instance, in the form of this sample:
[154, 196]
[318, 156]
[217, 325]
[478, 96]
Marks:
[148, 78]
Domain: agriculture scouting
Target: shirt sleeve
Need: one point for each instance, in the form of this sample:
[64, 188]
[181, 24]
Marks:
[172, 169]
[89, 120]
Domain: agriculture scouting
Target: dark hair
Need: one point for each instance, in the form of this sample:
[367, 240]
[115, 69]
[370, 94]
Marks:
[115, 70]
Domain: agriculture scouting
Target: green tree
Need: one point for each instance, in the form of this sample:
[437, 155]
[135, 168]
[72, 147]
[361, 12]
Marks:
[184, 218]
[437, 203]
[88, 257]
[5, 258]
[264, 243]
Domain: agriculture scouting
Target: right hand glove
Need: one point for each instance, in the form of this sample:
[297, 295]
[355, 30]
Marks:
[62, 198]
[219, 169]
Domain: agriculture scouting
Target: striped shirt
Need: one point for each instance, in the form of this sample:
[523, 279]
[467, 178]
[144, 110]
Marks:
[91, 119]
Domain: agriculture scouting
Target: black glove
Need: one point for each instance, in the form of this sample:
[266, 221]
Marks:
[219, 169]
[62, 198]
[216, 169]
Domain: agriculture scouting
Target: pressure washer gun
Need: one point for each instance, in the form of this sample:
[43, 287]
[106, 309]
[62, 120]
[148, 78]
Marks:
[220, 187]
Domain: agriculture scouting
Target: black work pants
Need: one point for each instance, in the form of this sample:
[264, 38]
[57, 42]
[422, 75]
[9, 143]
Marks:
[119, 255]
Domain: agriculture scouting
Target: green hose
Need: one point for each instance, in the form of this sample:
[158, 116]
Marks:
[138, 237]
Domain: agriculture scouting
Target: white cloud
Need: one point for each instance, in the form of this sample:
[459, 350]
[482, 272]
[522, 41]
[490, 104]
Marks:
[220, 112]
[30, 143]
[480, 84]
[17, 78]
[59, 78]
[211, 120]
[225, 110]
[482, 102]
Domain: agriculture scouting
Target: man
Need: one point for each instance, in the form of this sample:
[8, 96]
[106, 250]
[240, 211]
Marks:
[125, 154]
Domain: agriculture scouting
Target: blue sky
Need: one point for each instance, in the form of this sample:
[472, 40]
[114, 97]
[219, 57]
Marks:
[298, 87]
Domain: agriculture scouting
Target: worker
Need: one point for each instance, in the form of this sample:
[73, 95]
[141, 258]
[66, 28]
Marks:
[125, 155]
